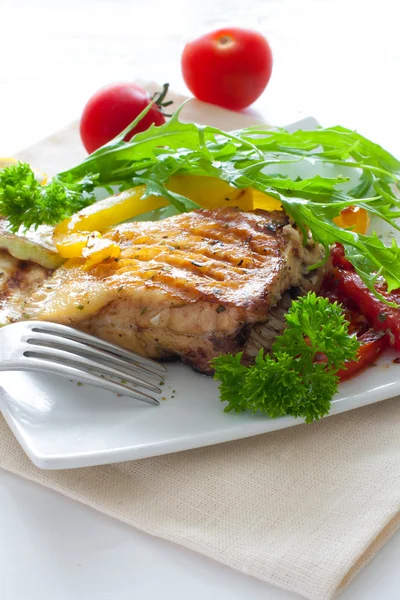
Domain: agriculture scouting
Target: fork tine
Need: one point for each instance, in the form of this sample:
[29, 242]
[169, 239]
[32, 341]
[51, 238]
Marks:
[48, 366]
[80, 362]
[79, 336]
[78, 348]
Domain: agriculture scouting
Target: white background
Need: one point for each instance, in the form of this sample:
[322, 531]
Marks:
[334, 59]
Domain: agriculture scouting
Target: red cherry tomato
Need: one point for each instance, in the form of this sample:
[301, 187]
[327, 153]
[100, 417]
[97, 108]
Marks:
[113, 108]
[229, 67]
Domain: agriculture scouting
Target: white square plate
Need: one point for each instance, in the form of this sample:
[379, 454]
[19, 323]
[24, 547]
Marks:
[62, 425]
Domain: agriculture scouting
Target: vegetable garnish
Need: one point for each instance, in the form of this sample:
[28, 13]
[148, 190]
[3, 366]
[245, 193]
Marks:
[249, 158]
[345, 286]
[381, 315]
[25, 202]
[290, 381]
[230, 67]
[112, 108]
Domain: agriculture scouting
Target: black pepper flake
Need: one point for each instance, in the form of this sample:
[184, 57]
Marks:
[382, 317]
[220, 309]
[164, 237]
[143, 310]
[120, 289]
[79, 383]
[196, 264]
[240, 263]
[80, 307]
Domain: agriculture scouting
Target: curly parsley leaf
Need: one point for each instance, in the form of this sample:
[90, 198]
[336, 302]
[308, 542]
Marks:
[290, 381]
[27, 203]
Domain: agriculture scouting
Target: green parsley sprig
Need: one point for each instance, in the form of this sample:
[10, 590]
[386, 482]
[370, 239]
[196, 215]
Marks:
[290, 381]
[27, 203]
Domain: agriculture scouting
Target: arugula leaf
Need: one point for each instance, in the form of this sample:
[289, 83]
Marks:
[243, 158]
[153, 188]
[368, 254]
[289, 381]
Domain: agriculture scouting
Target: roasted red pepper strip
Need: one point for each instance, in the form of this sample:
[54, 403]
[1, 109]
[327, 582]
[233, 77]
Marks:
[372, 343]
[381, 317]
[339, 259]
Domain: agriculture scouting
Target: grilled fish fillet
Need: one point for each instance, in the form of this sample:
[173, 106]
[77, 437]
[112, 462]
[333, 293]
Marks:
[191, 286]
[18, 281]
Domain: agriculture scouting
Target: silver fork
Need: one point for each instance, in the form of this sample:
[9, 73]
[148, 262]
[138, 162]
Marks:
[52, 348]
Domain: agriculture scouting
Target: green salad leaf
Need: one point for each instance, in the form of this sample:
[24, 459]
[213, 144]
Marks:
[290, 381]
[269, 160]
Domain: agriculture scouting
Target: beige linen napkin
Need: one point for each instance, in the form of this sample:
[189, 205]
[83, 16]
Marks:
[303, 508]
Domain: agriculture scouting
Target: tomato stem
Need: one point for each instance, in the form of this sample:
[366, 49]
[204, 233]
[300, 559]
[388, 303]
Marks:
[225, 41]
[159, 97]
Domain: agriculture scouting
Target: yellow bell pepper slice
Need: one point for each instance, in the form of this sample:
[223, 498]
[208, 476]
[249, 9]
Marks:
[210, 192]
[109, 212]
[265, 201]
[99, 249]
[72, 236]
[353, 217]
[72, 244]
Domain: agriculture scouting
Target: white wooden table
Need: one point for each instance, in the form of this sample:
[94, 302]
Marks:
[336, 60]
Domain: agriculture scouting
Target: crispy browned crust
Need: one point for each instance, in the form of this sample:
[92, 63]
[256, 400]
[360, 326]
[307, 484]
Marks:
[225, 256]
